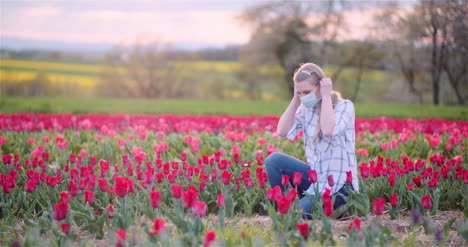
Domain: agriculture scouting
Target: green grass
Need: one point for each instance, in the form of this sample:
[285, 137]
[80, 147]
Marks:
[210, 107]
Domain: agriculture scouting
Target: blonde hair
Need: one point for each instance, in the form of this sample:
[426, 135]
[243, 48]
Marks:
[314, 74]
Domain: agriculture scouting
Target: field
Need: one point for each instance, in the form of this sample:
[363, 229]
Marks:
[192, 180]
[211, 107]
[83, 77]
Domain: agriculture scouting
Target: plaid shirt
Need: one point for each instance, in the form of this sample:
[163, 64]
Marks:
[334, 155]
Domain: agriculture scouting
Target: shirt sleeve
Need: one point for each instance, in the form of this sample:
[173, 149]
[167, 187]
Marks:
[297, 126]
[344, 115]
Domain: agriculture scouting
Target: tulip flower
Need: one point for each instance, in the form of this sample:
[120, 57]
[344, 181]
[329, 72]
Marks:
[379, 205]
[385, 146]
[189, 197]
[122, 187]
[209, 237]
[283, 204]
[176, 190]
[65, 228]
[417, 181]
[158, 227]
[199, 208]
[121, 238]
[356, 223]
[61, 210]
[89, 196]
[328, 207]
[312, 176]
[394, 200]
[155, 198]
[303, 229]
[285, 180]
[349, 177]
[226, 177]
[103, 185]
[73, 188]
[391, 181]
[331, 181]
[220, 201]
[297, 177]
[426, 202]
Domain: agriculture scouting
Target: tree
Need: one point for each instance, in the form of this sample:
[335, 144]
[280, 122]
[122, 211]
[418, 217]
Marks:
[283, 33]
[143, 71]
[431, 39]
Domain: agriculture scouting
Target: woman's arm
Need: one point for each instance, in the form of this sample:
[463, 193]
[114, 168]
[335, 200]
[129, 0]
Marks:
[286, 120]
[327, 117]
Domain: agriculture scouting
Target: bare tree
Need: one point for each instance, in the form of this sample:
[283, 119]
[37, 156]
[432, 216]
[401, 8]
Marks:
[143, 71]
[283, 33]
[457, 50]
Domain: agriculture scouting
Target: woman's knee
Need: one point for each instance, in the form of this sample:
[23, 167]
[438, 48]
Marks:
[272, 159]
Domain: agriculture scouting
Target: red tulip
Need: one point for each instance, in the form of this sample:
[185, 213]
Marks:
[349, 177]
[65, 228]
[356, 223]
[64, 196]
[410, 187]
[110, 211]
[73, 188]
[331, 182]
[103, 186]
[426, 202]
[236, 158]
[394, 200]
[391, 180]
[417, 181]
[385, 146]
[190, 196]
[89, 196]
[248, 182]
[209, 237]
[226, 177]
[122, 187]
[121, 238]
[220, 201]
[283, 204]
[303, 229]
[292, 195]
[326, 195]
[155, 198]
[199, 208]
[379, 206]
[29, 186]
[364, 171]
[176, 190]
[312, 176]
[328, 208]
[260, 160]
[61, 210]
[158, 227]
[297, 177]
[433, 182]
[285, 180]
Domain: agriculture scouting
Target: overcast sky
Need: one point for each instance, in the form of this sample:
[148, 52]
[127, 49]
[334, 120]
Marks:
[112, 21]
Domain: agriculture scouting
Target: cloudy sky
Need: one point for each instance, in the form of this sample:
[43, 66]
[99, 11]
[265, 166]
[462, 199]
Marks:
[123, 22]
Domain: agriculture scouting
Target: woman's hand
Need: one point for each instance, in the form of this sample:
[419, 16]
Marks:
[296, 97]
[326, 87]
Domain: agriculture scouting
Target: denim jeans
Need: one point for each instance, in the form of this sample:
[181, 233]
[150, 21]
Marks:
[278, 164]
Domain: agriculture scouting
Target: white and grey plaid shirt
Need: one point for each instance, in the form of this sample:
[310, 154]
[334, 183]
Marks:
[334, 155]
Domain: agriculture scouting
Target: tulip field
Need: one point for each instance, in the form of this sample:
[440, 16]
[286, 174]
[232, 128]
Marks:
[199, 180]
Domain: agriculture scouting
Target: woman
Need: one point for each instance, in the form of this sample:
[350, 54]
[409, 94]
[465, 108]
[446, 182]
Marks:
[329, 139]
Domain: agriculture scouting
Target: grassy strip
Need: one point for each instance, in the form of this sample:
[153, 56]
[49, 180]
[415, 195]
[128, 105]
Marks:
[210, 107]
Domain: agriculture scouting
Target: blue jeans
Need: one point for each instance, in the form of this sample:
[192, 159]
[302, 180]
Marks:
[278, 164]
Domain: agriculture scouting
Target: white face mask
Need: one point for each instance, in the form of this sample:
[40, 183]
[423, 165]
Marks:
[310, 100]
